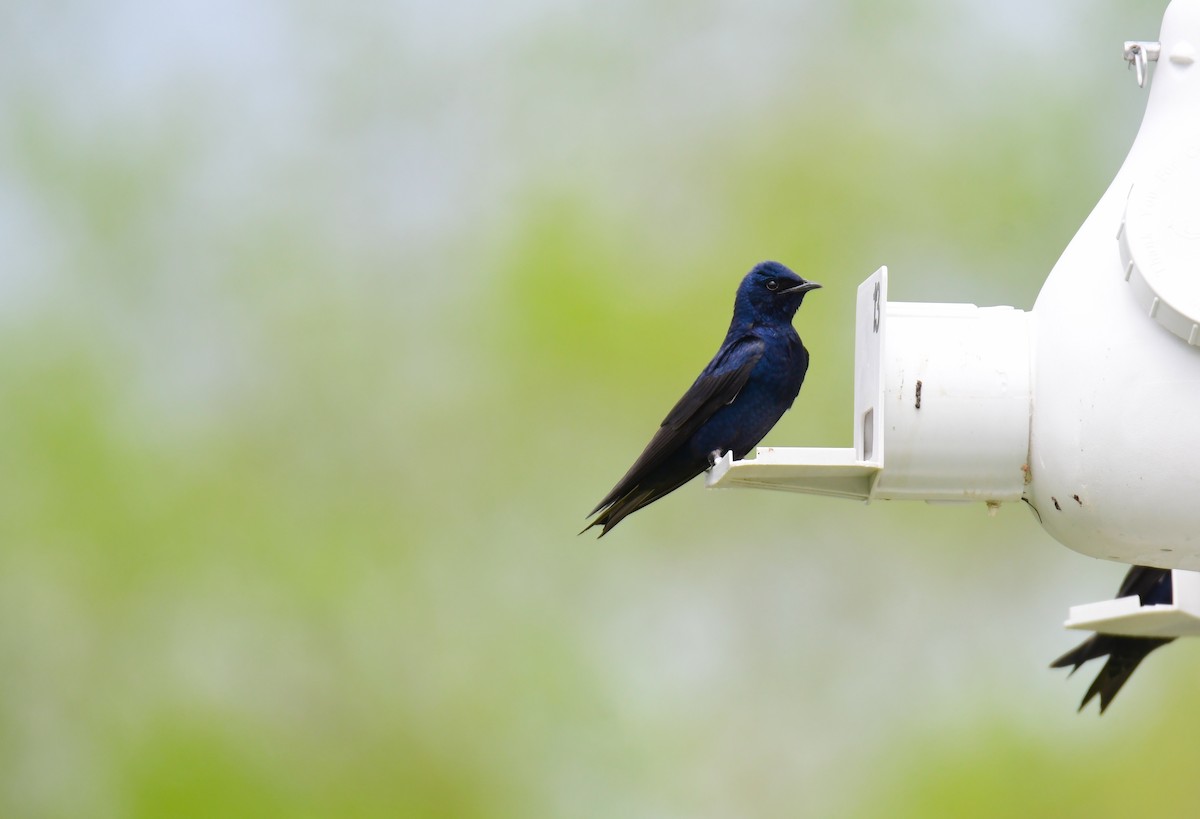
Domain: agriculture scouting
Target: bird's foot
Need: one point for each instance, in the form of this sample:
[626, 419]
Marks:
[714, 456]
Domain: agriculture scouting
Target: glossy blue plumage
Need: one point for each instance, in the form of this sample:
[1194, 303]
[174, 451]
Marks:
[751, 381]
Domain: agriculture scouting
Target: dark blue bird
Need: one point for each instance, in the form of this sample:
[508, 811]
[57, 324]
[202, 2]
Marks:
[1152, 586]
[751, 381]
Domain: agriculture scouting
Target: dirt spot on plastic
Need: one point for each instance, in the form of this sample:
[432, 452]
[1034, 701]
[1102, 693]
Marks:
[1056, 506]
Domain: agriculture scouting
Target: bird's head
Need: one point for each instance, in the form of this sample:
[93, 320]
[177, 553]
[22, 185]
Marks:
[771, 290]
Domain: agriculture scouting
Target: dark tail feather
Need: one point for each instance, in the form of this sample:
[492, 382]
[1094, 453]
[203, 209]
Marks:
[633, 500]
[623, 507]
[620, 509]
[1079, 655]
[1152, 586]
[1124, 656]
[1122, 662]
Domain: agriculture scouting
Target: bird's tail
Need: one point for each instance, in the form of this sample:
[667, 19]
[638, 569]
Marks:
[1087, 650]
[1124, 656]
[1122, 662]
[1152, 586]
[616, 511]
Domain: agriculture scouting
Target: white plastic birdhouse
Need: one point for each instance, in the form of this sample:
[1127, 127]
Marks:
[1084, 407]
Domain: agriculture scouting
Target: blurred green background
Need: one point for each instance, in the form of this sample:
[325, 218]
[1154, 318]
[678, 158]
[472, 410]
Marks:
[320, 331]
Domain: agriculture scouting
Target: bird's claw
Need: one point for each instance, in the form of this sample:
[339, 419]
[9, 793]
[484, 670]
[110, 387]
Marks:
[714, 456]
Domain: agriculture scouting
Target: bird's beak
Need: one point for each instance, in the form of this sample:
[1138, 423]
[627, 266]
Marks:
[803, 287]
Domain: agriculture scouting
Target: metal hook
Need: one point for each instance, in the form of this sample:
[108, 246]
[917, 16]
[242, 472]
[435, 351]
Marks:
[1138, 53]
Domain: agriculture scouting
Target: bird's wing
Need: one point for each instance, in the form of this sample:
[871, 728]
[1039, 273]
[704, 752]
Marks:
[717, 386]
[1144, 582]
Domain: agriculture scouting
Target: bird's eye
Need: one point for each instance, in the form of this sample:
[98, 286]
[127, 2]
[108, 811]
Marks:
[772, 285]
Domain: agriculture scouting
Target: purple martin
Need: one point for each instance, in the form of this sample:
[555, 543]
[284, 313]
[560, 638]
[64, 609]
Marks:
[1152, 586]
[751, 381]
